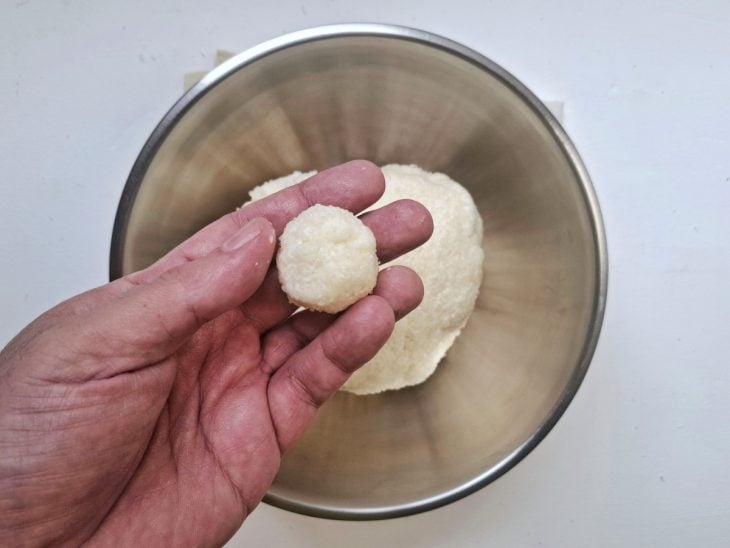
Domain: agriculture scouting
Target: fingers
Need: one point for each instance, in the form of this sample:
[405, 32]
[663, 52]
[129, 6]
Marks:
[313, 371]
[353, 186]
[400, 286]
[279, 344]
[269, 306]
[151, 320]
[317, 371]
[398, 227]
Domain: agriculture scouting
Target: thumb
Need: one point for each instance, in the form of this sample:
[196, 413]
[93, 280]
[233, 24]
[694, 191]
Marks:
[152, 320]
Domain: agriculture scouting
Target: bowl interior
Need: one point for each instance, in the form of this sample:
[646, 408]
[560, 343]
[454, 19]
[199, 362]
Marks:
[392, 99]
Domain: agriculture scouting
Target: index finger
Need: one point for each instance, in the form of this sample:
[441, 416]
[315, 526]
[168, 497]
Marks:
[353, 186]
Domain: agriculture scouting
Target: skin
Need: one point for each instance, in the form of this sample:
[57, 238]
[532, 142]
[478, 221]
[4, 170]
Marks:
[155, 410]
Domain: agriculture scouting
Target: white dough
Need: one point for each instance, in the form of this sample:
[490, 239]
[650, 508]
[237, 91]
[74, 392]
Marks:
[450, 265]
[327, 259]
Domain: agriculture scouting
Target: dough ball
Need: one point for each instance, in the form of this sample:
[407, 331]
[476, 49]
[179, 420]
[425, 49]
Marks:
[327, 259]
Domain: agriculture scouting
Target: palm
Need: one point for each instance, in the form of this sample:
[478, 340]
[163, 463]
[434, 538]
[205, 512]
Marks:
[213, 447]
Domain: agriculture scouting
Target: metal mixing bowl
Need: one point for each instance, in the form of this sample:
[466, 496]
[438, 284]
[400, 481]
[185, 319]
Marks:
[318, 97]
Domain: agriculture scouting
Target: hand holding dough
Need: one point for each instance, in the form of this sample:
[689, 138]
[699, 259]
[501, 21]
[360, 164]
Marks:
[450, 265]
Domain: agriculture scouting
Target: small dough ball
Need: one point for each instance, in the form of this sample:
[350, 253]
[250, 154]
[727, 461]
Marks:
[327, 259]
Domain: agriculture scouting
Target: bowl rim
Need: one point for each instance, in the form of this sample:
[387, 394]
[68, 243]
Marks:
[390, 31]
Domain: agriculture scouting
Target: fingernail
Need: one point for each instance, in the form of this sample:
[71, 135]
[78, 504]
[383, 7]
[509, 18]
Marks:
[245, 235]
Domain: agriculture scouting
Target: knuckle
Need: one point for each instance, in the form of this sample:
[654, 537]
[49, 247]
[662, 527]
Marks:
[304, 390]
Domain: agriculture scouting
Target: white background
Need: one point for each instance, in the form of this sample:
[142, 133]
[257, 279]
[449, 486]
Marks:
[641, 456]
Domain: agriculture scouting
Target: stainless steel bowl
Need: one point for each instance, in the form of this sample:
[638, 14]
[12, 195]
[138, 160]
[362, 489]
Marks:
[319, 97]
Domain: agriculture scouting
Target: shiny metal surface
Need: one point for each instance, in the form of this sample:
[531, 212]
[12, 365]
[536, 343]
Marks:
[322, 96]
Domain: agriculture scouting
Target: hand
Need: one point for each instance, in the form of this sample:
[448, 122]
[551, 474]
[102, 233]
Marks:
[155, 409]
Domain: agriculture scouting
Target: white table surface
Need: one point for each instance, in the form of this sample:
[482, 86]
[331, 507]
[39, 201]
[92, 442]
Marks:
[641, 457]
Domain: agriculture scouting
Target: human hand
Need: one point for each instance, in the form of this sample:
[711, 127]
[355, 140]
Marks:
[155, 409]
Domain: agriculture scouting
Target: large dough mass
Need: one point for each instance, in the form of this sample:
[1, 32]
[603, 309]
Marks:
[450, 265]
